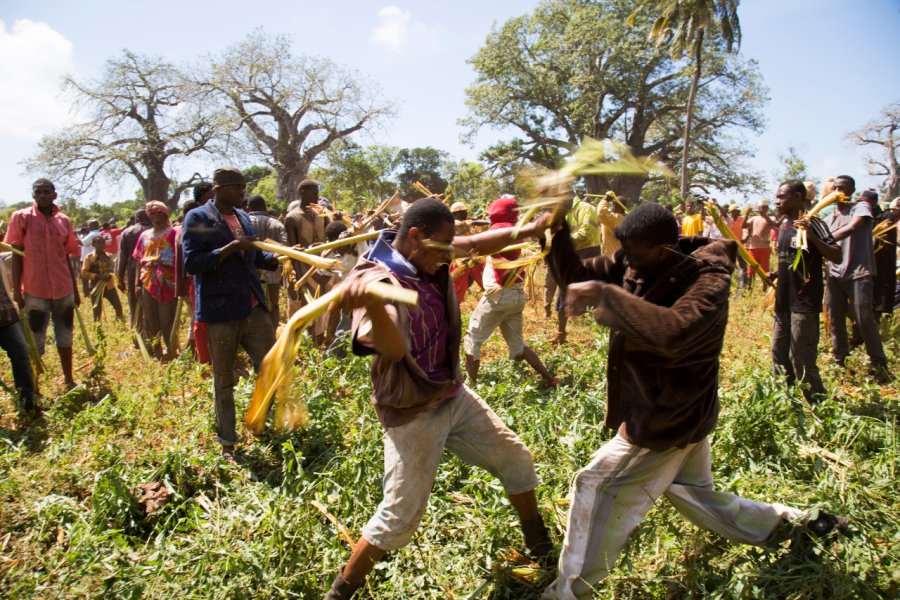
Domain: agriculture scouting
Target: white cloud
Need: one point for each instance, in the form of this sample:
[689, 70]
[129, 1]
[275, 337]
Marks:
[33, 60]
[397, 30]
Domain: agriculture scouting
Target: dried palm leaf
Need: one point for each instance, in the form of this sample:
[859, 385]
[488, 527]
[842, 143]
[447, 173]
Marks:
[274, 378]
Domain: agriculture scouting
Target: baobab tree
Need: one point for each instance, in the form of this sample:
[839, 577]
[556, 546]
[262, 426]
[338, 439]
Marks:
[142, 115]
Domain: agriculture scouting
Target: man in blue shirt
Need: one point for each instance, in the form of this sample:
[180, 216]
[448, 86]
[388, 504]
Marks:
[217, 239]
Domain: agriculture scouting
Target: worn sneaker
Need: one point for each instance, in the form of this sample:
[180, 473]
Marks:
[824, 523]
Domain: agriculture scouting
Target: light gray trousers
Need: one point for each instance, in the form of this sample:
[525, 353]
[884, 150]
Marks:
[611, 495]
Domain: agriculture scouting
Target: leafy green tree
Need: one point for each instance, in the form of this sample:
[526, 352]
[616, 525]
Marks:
[255, 174]
[683, 26]
[425, 165]
[470, 182]
[356, 177]
[792, 166]
[572, 69]
[267, 187]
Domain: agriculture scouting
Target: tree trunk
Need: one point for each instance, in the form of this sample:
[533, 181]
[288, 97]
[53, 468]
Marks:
[893, 184]
[698, 47]
[156, 187]
[627, 188]
[597, 184]
[288, 176]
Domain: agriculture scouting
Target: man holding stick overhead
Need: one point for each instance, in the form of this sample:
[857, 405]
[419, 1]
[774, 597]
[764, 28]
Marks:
[665, 301]
[419, 396]
[502, 304]
[217, 239]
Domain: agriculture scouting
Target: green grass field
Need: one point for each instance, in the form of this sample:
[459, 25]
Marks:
[72, 525]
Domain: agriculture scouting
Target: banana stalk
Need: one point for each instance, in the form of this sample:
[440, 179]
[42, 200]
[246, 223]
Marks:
[368, 221]
[825, 202]
[173, 335]
[522, 261]
[880, 234]
[32, 347]
[84, 333]
[274, 378]
[4, 247]
[347, 241]
[800, 238]
[614, 197]
[419, 187]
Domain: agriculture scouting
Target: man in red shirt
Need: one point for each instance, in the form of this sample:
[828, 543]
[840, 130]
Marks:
[43, 281]
[111, 234]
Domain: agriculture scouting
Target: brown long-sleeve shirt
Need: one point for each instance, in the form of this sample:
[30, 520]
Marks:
[666, 336]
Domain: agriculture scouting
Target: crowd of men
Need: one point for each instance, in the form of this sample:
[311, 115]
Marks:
[659, 279]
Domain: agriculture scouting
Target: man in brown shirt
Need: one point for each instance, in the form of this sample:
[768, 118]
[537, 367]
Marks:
[665, 301]
[304, 225]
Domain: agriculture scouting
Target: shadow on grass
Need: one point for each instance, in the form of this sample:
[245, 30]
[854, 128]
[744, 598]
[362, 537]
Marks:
[30, 432]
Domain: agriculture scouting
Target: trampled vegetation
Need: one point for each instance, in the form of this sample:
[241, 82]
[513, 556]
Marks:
[75, 523]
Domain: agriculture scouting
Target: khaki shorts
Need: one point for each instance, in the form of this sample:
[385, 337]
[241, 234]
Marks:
[505, 313]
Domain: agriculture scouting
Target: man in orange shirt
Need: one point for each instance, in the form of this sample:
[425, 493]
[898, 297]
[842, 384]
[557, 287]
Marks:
[43, 280]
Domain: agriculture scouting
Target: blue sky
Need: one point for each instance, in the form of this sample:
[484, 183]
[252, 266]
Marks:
[830, 65]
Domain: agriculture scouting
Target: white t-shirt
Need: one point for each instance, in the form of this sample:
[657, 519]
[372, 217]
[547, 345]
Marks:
[87, 243]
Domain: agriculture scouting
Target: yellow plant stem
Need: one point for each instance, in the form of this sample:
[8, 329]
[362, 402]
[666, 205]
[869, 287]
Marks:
[32, 347]
[84, 334]
[742, 250]
[294, 254]
[347, 241]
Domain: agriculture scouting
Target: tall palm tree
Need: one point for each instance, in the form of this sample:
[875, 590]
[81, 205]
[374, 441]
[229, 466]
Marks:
[683, 25]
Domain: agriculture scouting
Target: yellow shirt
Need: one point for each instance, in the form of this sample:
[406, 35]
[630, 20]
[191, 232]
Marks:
[692, 225]
[609, 220]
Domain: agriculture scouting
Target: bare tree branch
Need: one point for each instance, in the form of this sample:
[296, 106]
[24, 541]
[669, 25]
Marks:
[144, 114]
[291, 108]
